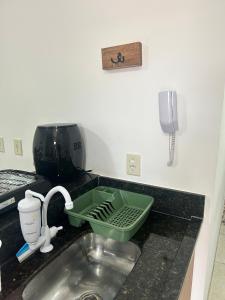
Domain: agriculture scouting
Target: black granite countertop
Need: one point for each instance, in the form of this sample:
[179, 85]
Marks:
[166, 240]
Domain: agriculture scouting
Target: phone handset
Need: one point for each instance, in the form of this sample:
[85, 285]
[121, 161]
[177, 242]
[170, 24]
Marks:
[168, 119]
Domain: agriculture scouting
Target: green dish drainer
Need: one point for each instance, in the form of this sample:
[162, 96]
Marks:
[111, 212]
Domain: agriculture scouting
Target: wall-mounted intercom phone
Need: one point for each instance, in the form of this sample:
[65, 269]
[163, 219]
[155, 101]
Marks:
[168, 118]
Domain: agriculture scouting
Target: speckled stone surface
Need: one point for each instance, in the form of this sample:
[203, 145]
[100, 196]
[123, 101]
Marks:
[166, 242]
[160, 271]
[168, 201]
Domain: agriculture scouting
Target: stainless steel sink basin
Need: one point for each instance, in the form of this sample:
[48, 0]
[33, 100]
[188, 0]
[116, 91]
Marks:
[92, 268]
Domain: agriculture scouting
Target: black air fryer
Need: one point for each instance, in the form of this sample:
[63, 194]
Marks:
[58, 151]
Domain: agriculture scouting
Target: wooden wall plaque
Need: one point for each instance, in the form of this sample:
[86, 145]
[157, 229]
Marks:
[122, 56]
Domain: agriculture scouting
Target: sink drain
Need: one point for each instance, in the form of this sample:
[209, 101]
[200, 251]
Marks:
[90, 295]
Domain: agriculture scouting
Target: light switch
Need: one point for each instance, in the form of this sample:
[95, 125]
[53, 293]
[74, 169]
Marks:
[134, 164]
[18, 149]
[2, 146]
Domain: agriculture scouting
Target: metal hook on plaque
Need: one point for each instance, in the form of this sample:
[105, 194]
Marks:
[119, 59]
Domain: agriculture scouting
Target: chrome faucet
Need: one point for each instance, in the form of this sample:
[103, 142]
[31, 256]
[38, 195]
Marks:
[34, 223]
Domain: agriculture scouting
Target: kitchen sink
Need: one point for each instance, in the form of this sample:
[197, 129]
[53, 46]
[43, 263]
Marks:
[92, 268]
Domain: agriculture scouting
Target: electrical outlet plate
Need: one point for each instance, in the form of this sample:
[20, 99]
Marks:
[134, 164]
[18, 149]
[2, 146]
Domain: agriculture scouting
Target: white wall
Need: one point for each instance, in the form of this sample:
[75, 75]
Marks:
[217, 205]
[50, 70]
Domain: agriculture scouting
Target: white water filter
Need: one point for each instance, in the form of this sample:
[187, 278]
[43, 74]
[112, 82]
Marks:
[30, 218]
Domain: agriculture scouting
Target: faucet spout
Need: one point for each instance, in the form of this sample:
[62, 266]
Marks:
[66, 195]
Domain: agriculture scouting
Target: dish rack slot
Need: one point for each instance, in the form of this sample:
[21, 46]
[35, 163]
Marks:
[102, 212]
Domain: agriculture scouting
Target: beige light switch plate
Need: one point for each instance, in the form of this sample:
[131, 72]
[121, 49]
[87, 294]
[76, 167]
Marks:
[2, 146]
[18, 148]
[134, 164]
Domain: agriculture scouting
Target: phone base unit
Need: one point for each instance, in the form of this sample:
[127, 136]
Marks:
[168, 119]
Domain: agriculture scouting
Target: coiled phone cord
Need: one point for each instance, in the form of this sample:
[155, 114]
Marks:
[172, 139]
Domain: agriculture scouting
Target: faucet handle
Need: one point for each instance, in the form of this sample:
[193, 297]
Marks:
[60, 228]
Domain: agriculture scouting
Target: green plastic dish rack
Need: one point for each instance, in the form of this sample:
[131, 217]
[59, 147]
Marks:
[111, 212]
